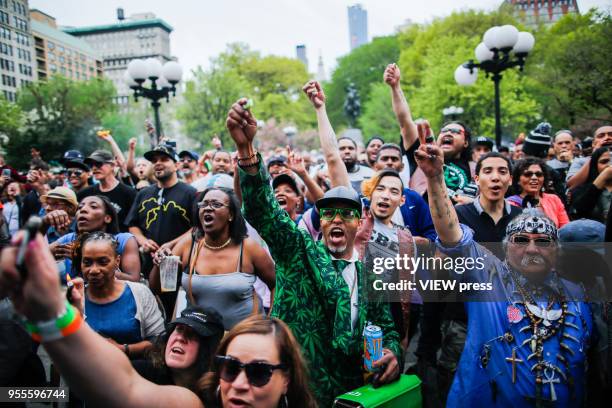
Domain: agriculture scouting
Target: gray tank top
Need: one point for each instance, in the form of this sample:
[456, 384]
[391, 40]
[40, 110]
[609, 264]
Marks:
[231, 294]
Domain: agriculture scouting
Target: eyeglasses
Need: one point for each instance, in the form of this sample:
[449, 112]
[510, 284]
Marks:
[215, 205]
[530, 174]
[187, 160]
[347, 214]
[258, 373]
[453, 131]
[77, 173]
[524, 240]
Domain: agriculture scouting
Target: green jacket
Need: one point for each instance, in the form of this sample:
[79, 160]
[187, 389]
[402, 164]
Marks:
[312, 297]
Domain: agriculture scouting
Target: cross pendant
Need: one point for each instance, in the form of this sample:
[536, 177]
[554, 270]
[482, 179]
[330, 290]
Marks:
[549, 375]
[513, 360]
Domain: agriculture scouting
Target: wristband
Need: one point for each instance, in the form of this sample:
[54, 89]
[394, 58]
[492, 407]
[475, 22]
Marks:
[65, 324]
[126, 349]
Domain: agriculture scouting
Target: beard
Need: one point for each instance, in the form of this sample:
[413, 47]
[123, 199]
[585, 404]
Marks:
[186, 172]
[164, 176]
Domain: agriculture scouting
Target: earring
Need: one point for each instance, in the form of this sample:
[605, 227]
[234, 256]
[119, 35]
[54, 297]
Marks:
[218, 393]
[284, 402]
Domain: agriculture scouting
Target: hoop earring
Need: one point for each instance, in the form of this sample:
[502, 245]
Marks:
[218, 393]
[284, 402]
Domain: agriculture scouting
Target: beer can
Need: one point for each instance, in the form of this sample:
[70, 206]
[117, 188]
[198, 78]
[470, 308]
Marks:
[372, 346]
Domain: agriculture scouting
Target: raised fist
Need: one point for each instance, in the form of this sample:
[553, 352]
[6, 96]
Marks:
[315, 93]
[392, 75]
[241, 123]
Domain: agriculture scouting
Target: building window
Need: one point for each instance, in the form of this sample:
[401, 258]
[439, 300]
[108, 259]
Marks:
[52, 68]
[50, 45]
[62, 70]
[62, 59]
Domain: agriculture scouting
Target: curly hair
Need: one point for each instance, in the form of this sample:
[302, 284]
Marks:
[298, 392]
[524, 164]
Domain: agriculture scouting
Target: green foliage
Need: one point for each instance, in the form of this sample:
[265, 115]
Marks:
[274, 83]
[363, 67]
[430, 54]
[378, 118]
[573, 57]
[11, 120]
[60, 115]
[438, 90]
[207, 99]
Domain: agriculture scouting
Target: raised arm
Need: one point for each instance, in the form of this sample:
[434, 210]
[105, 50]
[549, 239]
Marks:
[296, 164]
[430, 159]
[108, 138]
[131, 163]
[37, 296]
[329, 145]
[401, 109]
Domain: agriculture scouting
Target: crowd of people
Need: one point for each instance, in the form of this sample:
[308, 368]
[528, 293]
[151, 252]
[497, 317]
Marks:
[277, 254]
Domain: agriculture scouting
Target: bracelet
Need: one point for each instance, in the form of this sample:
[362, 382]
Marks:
[247, 158]
[65, 324]
[126, 349]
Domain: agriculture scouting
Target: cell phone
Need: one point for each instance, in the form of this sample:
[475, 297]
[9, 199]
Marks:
[6, 173]
[609, 158]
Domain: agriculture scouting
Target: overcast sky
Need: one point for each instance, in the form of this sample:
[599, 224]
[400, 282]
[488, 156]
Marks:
[202, 28]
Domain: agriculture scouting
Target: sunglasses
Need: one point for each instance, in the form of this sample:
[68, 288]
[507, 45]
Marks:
[99, 164]
[77, 173]
[212, 204]
[530, 174]
[453, 131]
[258, 373]
[523, 240]
[347, 214]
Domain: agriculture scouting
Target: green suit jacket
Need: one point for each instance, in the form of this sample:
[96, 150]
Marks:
[312, 297]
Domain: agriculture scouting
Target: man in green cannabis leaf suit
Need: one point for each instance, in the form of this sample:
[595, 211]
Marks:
[320, 286]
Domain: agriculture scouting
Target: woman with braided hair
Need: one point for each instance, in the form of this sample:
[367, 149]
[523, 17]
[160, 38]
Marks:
[96, 213]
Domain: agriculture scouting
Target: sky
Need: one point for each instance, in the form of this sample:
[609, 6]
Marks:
[202, 28]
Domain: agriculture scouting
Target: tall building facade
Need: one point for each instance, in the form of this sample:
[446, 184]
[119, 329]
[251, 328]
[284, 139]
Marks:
[16, 48]
[358, 25]
[535, 12]
[61, 53]
[300, 52]
[140, 36]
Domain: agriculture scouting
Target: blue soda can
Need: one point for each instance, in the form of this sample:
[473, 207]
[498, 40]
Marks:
[372, 346]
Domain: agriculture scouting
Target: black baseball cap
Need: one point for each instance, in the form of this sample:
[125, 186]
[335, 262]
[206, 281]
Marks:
[79, 164]
[484, 141]
[189, 153]
[286, 179]
[162, 149]
[204, 321]
[277, 159]
[70, 155]
[100, 156]
[340, 194]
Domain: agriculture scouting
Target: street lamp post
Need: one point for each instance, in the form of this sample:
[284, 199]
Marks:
[163, 83]
[452, 112]
[502, 48]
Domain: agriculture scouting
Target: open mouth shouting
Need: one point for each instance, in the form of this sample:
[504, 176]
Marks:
[207, 220]
[282, 201]
[337, 236]
[446, 141]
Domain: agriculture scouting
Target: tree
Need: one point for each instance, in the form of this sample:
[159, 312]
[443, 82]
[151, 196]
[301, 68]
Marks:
[378, 117]
[363, 66]
[574, 81]
[59, 115]
[274, 83]
[429, 57]
[11, 120]
[207, 99]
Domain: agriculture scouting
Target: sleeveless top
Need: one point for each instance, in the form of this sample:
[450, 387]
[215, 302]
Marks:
[231, 294]
[116, 319]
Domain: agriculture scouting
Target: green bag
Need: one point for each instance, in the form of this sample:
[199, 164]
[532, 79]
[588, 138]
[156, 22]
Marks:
[403, 393]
